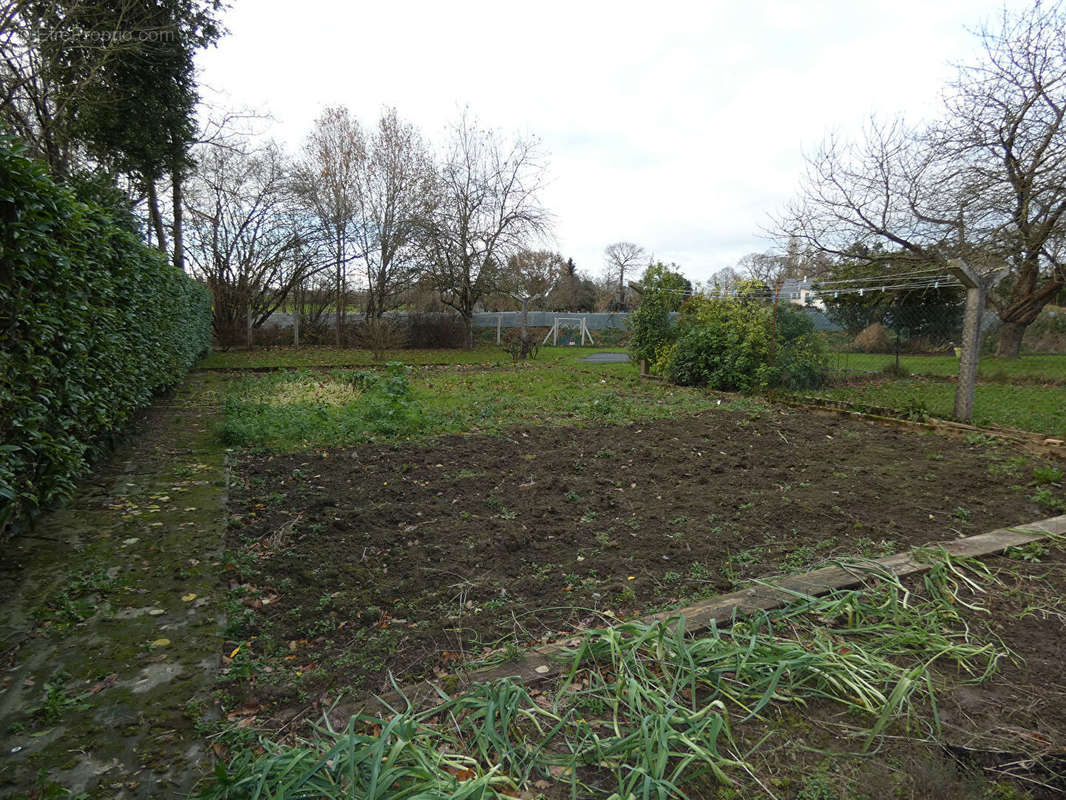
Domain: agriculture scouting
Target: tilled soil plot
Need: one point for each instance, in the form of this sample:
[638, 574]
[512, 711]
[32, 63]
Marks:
[351, 563]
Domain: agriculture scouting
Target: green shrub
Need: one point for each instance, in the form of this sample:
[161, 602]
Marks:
[650, 327]
[663, 291]
[93, 323]
[726, 344]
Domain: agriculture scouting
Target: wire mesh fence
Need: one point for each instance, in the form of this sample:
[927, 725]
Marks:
[904, 357]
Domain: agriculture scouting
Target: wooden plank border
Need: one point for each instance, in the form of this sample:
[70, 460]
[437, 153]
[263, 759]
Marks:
[541, 664]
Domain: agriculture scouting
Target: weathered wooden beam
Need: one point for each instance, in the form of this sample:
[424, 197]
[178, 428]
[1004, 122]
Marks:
[543, 663]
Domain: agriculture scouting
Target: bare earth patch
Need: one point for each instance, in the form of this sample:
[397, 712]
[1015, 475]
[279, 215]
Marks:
[350, 564]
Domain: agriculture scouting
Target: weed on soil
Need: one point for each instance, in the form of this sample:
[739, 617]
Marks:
[858, 694]
[347, 566]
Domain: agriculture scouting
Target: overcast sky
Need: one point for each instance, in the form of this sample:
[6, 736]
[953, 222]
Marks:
[677, 126]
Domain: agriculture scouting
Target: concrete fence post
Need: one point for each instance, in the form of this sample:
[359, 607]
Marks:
[977, 288]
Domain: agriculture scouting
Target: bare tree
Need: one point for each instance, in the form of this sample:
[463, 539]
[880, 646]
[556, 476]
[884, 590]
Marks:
[768, 268]
[1006, 121]
[984, 189]
[326, 179]
[724, 280]
[530, 276]
[486, 209]
[620, 258]
[242, 238]
[393, 197]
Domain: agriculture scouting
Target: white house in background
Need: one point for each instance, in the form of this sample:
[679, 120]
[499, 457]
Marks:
[801, 292]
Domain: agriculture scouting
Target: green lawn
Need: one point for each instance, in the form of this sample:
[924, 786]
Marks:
[1031, 408]
[352, 357]
[313, 408]
[294, 410]
[1028, 368]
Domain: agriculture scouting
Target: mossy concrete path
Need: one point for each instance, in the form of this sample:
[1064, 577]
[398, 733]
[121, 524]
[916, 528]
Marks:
[111, 610]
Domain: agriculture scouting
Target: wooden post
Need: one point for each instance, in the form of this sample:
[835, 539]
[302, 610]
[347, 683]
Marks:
[555, 333]
[296, 327]
[977, 287]
[499, 328]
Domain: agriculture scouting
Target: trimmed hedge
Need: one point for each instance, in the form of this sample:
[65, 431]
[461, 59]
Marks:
[93, 322]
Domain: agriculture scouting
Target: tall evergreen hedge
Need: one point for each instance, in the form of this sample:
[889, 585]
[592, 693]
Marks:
[92, 323]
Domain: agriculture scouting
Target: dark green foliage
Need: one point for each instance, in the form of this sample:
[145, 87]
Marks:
[651, 328]
[735, 346]
[93, 323]
[137, 113]
[663, 292]
[100, 190]
[927, 317]
[668, 282]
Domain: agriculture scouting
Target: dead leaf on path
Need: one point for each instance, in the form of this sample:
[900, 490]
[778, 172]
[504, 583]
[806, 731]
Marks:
[188, 598]
[244, 711]
[99, 687]
[161, 643]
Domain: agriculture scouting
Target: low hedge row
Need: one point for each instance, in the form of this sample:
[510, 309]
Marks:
[93, 322]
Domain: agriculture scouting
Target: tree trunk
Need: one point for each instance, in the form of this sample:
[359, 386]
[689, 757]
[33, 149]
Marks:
[525, 317]
[340, 290]
[177, 229]
[340, 309]
[468, 323]
[1027, 300]
[155, 217]
[1010, 339]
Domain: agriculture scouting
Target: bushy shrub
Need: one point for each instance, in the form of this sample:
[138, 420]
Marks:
[93, 323]
[651, 329]
[381, 335]
[726, 345]
[874, 338]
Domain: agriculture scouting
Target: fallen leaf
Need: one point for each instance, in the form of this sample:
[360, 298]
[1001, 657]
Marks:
[188, 598]
[99, 687]
[161, 643]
